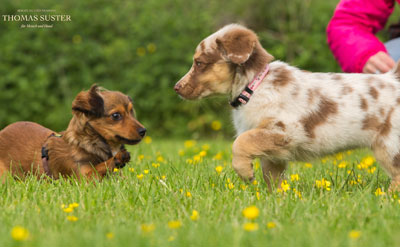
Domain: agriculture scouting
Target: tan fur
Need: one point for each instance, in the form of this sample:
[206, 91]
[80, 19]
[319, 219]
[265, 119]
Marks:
[89, 147]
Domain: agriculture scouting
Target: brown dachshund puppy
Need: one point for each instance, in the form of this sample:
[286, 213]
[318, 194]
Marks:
[91, 146]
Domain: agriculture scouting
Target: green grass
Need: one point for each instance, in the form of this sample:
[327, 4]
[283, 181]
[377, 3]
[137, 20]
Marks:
[122, 203]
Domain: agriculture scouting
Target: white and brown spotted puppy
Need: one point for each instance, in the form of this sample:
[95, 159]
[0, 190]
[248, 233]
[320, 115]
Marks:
[293, 114]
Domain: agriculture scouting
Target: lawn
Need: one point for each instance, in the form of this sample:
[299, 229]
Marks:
[185, 193]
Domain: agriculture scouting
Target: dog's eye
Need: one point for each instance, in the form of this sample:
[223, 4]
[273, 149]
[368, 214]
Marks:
[116, 116]
[198, 63]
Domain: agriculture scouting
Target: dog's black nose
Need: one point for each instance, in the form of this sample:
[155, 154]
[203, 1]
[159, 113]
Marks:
[141, 131]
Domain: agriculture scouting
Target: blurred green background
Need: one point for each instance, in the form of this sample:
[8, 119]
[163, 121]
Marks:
[143, 48]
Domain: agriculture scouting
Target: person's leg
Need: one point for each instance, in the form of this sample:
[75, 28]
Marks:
[393, 48]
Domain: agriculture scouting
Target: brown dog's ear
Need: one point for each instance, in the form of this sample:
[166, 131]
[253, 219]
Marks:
[237, 45]
[89, 102]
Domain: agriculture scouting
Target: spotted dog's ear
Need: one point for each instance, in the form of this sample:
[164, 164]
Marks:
[89, 102]
[237, 45]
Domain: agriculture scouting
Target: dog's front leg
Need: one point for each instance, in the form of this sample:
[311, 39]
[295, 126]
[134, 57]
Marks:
[101, 169]
[253, 143]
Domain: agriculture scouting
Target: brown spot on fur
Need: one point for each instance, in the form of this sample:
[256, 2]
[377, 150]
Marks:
[363, 103]
[371, 122]
[282, 77]
[387, 125]
[396, 160]
[373, 92]
[325, 109]
[281, 125]
[346, 89]
[336, 77]
[381, 111]
[398, 101]
[310, 94]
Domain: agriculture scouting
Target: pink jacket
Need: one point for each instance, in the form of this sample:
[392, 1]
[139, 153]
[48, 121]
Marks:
[351, 31]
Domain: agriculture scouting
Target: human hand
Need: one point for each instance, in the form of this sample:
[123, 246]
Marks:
[381, 62]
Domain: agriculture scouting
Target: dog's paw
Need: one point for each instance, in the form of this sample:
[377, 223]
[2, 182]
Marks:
[121, 158]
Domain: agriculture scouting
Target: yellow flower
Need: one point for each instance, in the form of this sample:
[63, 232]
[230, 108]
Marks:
[379, 192]
[294, 177]
[250, 226]
[19, 233]
[196, 159]
[110, 235]
[76, 39]
[174, 224]
[271, 225]
[141, 157]
[216, 125]
[308, 165]
[140, 176]
[231, 186]
[195, 215]
[339, 156]
[151, 47]
[147, 139]
[189, 143]
[188, 194]
[131, 169]
[72, 218]
[74, 205]
[163, 177]
[354, 234]
[372, 170]
[141, 51]
[369, 160]
[218, 156]
[116, 170]
[147, 227]
[155, 165]
[203, 153]
[285, 186]
[160, 159]
[205, 147]
[146, 171]
[189, 161]
[243, 187]
[258, 195]
[251, 212]
[68, 210]
[323, 184]
[219, 169]
[342, 164]
[255, 182]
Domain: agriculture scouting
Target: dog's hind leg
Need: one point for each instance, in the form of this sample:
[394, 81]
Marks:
[273, 171]
[387, 153]
[258, 142]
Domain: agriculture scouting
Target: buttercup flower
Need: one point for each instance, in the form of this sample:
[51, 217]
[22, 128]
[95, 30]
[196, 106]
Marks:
[219, 169]
[250, 226]
[174, 224]
[195, 215]
[19, 233]
[354, 234]
[271, 225]
[251, 212]
[72, 218]
[147, 227]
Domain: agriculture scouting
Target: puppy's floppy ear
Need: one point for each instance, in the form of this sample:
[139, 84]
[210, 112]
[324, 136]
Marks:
[237, 45]
[89, 102]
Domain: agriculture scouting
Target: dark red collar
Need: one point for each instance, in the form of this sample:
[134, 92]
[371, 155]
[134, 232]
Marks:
[245, 95]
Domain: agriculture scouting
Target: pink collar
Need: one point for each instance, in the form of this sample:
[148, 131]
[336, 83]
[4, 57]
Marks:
[245, 95]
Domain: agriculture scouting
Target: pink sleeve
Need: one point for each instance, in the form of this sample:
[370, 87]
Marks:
[351, 31]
